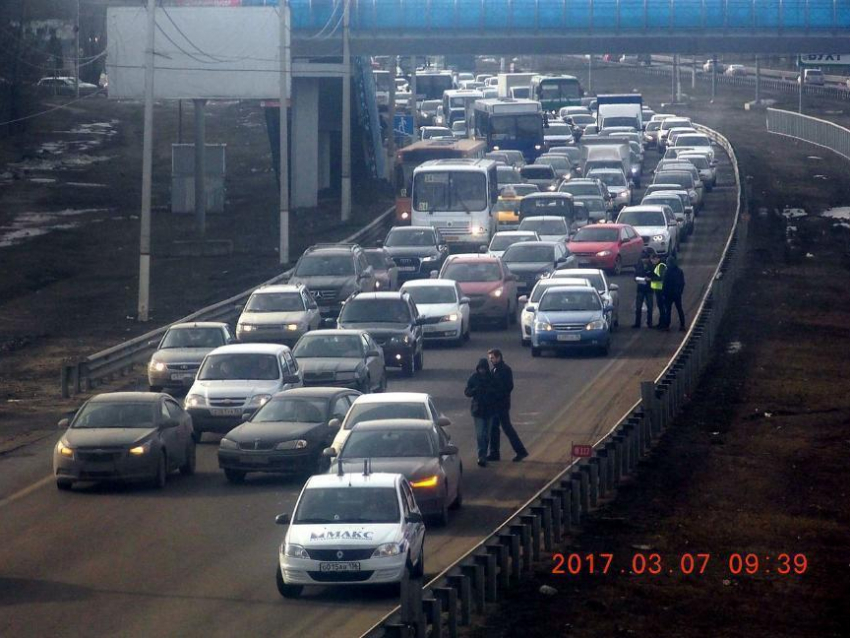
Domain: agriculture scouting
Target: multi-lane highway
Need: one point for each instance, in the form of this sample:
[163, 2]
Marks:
[197, 558]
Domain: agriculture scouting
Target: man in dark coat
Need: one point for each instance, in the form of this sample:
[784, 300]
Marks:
[674, 286]
[504, 385]
[644, 294]
[480, 387]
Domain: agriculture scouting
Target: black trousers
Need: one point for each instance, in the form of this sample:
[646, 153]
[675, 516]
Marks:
[503, 418]
[663, 314]
[640, 298]
[674, 300]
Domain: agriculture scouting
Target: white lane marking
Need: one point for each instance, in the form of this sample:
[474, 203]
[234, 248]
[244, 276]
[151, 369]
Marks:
[25, 491]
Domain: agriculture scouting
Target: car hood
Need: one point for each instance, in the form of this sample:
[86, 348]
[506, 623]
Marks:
[272, 318]
[649, 231]
[276, 431]
[413, 468]
[573, 316]
[412, 251]
[344, 535]
[228, 387]
[106, 437]
[376, 328]
[181, 355]
[328, 364]
[479, 287]
[322, 281]
[528, 266]
[591, 246]
[615, 190]
[552, 237]
[436, 309]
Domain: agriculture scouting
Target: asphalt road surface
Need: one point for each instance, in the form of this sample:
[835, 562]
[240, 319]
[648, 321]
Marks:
[198, 558]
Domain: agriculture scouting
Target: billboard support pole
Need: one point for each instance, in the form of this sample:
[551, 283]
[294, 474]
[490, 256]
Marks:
[345, 195]
[283, 248]
[147, 165]
[391, 118]
[200, 169]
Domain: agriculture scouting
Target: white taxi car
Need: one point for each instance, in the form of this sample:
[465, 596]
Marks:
[351, 529]
[443, 299]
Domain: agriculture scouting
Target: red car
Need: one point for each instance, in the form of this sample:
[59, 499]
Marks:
[489, 285]
[611, 247]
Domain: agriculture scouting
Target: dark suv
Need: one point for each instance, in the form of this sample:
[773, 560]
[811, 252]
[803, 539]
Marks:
[392, 320]
[332, 272]
[416, 250]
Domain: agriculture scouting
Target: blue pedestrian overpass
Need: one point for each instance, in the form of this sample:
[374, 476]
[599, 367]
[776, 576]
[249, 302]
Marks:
[435, 27]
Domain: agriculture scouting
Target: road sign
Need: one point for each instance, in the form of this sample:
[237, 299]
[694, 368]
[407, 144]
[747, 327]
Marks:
[582, 451]
[824, 59]
[403, 124]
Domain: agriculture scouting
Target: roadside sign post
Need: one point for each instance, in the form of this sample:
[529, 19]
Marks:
[147, 166]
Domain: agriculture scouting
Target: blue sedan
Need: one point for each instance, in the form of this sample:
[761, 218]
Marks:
[569, 317]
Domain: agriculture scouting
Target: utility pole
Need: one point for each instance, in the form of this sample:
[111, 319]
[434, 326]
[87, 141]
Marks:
[590, 74]
[391, 117]
[413, 110]
[758, 79]
[283, 248]
[714, 76]
[345, 195]
[673, 78]
[77, 53]
[800, 82]
[200, 169]
[147, 167]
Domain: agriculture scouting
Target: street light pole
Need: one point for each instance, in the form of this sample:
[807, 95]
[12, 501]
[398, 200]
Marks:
[345, 195]
[77, 53]
[147, 166]
[283, 247]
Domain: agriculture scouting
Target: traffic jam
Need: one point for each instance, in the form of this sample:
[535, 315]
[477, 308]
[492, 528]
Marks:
[520, 205]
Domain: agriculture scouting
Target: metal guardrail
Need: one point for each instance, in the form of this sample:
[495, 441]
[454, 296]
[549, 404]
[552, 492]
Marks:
[508, 554]
[810, 129]
[86, 374]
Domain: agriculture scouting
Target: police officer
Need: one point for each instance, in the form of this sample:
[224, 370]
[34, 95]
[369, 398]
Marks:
[656, 282]
[644, 294]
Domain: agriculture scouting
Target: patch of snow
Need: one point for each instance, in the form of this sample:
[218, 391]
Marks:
[34, 224]
[734, 347]
[793, 213]
[814, 157]
[824, 177]
[842, 212]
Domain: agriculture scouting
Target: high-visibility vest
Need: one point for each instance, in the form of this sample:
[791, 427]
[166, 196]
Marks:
[660, 269]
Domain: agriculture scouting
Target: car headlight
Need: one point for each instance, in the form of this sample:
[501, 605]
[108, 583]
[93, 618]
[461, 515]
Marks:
[599, 324]
[552, 187]
[295, 444]
[292, 327]
[537, 147]
[228, 444]
[157, 366]
[431, 481]
[194, 401]
[542, 326]
[245, 327]
[401, 340]
[634, 170]
[377, 285]
[451, 317]
[65, 450]
[661, 238]
[477, 231]
[295, 551]
[405, 215]
[603, 253]
[498, 292]
[388, 549]
[495, 148]
[140, 450]
[431, 258]
[259, 399]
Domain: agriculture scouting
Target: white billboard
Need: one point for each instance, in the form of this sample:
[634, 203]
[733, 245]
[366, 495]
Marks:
[824, 59]
[199, 52]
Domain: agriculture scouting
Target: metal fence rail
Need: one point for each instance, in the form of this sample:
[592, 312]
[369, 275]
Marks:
[810, 129]
[86, 374]
[508, 554]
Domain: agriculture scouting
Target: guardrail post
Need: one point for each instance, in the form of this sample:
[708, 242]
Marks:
[619, 453]
[524, 533]
[502, 553]
[448, 598]
[588, 481]
[593, 469]
[613, 461]
[559, 512]
[631, 434]
[575, 500]
[516, 554]
[463, 586]
[532, 521]
[86, 383]
[545, 512]
[601, 460]
[650, 411]
[411, 602]
[397, 630]
[433, 609]
[488, 563]
[583, 487]
[476, 575]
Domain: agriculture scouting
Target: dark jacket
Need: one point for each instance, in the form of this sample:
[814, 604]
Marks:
[480, 387]
[504, 382]
[642, 270]
[674, 279]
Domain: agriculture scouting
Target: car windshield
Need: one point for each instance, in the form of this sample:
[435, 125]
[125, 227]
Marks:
[328, 345]
[596, 235]
[501, 242]
[193, 338]
[577, 189]
[672, 122]
[525, 189]
[538, 172]
[595, 280]
[593, 204]
[700, 161]
[430, 106]
[507, 205]
[557, 129]
[544, 226]
[566, 301]
[631, 122]
[692, 140]
[611, 179]
[275, 302]
[473, 272]
[673, 202]
[239, 365]
[558, 163]
[410, 237]
[538, 206]
[325, 266]
[360, 412]
[116, 415]
[388, 444]
[292, 410]
[432, 294]
[642, 218]
[340, 505]
[652, 126]
[529, 254]
[680, 178]
[375, 311]
[436, 191]
[507, 175]
[376, 259]
[581, 118]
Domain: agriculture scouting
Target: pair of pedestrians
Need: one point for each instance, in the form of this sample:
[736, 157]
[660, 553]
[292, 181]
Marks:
[490, 390]
[660, 284]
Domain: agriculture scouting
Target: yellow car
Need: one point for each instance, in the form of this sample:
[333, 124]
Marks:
[507, 206]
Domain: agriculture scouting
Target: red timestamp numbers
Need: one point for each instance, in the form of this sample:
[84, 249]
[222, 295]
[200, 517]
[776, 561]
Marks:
[687, 564]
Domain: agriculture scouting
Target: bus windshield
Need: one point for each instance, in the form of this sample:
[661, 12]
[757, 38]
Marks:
[559, 89]
[449, 191]
[505, 127]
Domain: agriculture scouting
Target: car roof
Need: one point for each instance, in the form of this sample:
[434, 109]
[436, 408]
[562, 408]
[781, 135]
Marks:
[126, 397]
[549, 195]
[643, 208]
[431, 228]
[535, 242]
[567, 287]
[277, 288]
[396, 424]
[544, 218]
[353, 479]
[471, 257]
[251, 348]
[424, 283]
[393, 397]
[335, 332]
[199, 324]
[610, 225]
[371, 296]
[315, 392]
[515, 233]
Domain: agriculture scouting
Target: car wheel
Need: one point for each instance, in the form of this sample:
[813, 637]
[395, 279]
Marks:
[618, 266]
[419, 361]
[408, 366]
[535, 352]
[323, 464]
[188, 467]
[287, 591]
[235, 476]
[617, 319]
[604, 350]
[197, 435]
[441, 519]
[161, 475]
[466, 334]
[383, 386]
[365, 387]
[524, 342]
[512, 316]
[64, 485]
[155, 388]
[418, 570]
[505, 321]
[458, 502]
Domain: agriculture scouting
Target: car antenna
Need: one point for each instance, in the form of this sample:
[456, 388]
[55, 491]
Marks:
[365, 467]
[339, 469]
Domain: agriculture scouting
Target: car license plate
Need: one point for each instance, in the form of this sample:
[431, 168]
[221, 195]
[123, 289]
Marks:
[251, 459]
[584, 262]
[451, 237]
[406, 268]
[339, 567]
[568, 337]
[226, 411]
[182, 376]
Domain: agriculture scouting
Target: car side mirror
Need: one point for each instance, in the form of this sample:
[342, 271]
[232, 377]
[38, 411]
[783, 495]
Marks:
[413, 517]
[511, 278]
[373, 353]
[63, 424]
[238, 307]
[523, 299]
[613, 287]
[443, 421]
[482, 249]
[464, 300]
[434, 274]
[290, 379]
[282, 519]
[379, 243]
[329, 322]
[170, 423]
[334, 423]
[247, 414]
[329, 452]
[609, 307]
[448, 450]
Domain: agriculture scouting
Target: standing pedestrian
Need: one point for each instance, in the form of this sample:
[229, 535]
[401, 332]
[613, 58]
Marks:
[674, 286]
[480, 387]
[644, 294]
[503, 378]
[657, 284]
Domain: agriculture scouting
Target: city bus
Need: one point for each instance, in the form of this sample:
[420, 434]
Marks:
[556, 91]
[431, 84]
[508, 124]
[456, 104]
[458, 197]
[409, 157]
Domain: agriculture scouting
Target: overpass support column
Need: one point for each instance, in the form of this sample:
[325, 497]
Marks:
[324, 159]
[305, 142]
[391, 122]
